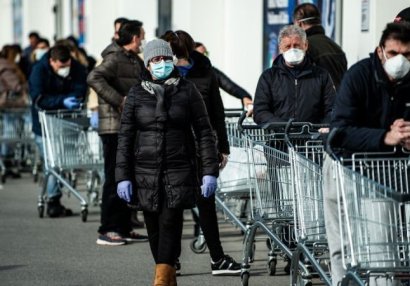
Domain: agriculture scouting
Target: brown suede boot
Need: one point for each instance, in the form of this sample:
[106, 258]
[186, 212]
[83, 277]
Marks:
[165, 275]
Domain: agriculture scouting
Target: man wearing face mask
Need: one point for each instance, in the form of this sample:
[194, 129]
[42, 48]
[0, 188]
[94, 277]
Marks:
[293, 87]
[56, 82]
[369, 114]
[112, 80]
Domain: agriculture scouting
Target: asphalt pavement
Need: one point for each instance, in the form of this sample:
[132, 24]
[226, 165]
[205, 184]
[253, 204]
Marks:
[63, 251]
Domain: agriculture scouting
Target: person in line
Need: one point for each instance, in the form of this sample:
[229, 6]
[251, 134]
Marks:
[368, 112]
[26, 63]
[226, 83]
[197, 68]
[292, 88]
[403, 16]
[322, 50]
[112, 80]
[56, 82]
[164, 119]
[42, 47]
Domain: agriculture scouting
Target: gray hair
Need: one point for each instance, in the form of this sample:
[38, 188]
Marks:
[292, 30]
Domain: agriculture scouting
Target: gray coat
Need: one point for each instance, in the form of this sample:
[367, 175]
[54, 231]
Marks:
[112, 80]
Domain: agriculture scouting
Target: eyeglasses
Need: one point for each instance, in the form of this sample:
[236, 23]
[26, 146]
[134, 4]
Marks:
[157, 60]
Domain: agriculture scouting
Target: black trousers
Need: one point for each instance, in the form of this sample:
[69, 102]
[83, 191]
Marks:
[164, 230]
[115, 214]
[209, 224]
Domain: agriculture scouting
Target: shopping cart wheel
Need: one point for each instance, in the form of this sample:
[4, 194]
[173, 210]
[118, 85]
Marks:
[197, 247]
[40, 210]
[245, 278]
[84, 214]
[272, 266]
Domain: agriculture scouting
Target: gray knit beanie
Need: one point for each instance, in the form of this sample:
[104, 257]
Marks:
[156, 48]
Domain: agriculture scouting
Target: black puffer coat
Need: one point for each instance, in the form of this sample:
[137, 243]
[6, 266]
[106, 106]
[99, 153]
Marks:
[281, 95]
[112, 80]
[204, 78]
[156, 144]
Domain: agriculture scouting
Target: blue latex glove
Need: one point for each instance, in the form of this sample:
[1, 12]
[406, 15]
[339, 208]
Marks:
[209, 185]
[71, 102]
[124, 190]
[94, 119]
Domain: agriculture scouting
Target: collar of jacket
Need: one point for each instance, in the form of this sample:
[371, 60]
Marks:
[305, 69]
[150, 86]
[200, 64]
[381, 76]
[315, 30]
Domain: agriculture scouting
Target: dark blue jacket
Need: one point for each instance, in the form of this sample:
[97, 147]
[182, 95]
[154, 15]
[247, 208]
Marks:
[48, 90]
[366, 104]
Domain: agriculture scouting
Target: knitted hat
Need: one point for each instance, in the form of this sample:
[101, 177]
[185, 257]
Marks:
[156, 48]
[404, 15]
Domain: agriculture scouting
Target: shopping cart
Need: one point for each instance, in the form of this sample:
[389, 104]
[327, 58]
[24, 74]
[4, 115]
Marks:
[69, 144]
[374, 214]
[306, 149]
[17, 140]
[234, 183]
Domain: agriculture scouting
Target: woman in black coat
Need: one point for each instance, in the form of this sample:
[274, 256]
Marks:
[164, 125]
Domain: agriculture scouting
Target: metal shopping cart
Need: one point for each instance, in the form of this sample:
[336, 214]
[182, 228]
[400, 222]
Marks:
[69, 144]
[306, 149]
[17, 140]
[374, 214]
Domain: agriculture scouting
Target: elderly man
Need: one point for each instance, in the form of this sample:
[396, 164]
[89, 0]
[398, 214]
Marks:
[293, 87]
[369, 110]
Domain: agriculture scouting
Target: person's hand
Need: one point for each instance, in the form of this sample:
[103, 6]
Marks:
[248, 104]
[71, 102]
[224, 160]
[323, 130]
[124, 190]
[209, 185]
[399, 133]
[94, 119]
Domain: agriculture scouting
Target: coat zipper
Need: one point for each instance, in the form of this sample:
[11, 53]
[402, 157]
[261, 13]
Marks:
[296, 98]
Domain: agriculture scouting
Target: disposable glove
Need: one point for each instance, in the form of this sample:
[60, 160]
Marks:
[71, 102]
[94, 119]
[124, 190]
[224, 160]
[209, 185]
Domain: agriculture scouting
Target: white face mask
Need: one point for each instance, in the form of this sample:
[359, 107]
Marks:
[294, 56]
[142, 46]
[63, 72]
[396, 67]
[17, 59]
[39, 53]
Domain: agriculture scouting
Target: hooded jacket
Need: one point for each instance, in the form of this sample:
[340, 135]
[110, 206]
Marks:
[112, 80]
[48, 90]
[306, 96]
[367, 104]
[156, 143]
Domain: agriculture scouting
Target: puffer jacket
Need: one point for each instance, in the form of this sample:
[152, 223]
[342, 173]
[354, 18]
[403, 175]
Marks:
[366, 104]
[156, 144]
[204, 78]
[306, 96]
[112, 80]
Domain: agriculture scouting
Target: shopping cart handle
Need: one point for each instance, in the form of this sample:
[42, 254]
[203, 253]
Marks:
[400, 197]
[329, 142]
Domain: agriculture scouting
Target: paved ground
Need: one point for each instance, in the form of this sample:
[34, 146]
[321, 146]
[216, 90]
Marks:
[63, 251]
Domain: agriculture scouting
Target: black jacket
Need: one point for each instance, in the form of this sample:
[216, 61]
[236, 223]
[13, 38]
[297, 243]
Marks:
[306, 97]
[367, 104]
[112, 80]
[48, 90]
[156, 143]
[325, 53]
[229, 86]
[202, 75]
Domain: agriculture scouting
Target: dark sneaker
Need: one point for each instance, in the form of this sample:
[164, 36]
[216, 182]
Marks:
[111, 238]
[56, 209]
[177, 267]
[135, 237]
[227, 265]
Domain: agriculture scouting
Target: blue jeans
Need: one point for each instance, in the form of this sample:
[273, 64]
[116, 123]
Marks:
[53, 189]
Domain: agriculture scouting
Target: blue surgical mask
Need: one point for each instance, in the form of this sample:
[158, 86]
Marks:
[162, 69]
